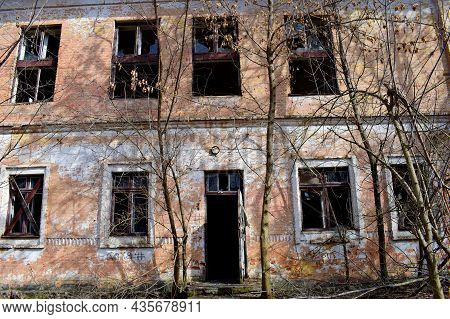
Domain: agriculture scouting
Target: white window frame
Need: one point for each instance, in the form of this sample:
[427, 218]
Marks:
[6, 172]
[396, 233]
[42, 55]
[107, 240]
[138, 39]
[321, 236]
[43, 39]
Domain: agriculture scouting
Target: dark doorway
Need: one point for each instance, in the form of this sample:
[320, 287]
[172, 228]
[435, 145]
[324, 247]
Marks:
[224, 236]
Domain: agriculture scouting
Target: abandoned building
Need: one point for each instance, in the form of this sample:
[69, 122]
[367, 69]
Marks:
[80, 191]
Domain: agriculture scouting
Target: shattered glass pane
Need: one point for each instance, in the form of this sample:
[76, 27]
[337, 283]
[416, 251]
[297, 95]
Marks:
[212, 182]
[149, 41]
[32, 43]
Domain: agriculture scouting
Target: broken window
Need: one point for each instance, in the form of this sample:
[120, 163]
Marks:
[24, 216]
[227, 181]
[325, 198]
[130, 204]
[36, 65]
[311, 63]
[403, 203]
[135, 62]
[216, 69]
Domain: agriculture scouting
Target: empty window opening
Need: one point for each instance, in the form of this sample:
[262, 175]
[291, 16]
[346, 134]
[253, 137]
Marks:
[137, 39]
[311, 63]
[36, 65]
[312, 76]
[135, 80]
[215, 35]
[225, 230]
[217, 78]
[216, 69]
[126, 41]
[135, 63]
[24, 217]
[325, 198]
[306, 34]
[130, 204]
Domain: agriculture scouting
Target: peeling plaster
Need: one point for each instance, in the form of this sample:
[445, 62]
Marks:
[28, 255]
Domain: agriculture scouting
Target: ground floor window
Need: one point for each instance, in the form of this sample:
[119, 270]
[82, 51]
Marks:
[25, 208]
[325, 198]
[130, 203]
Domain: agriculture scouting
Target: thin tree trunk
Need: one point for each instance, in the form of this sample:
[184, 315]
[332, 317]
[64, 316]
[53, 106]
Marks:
[426, 240]
[164, 166]
[176, 285]
[184, 227]
[443, 38]
[266, 284]
[372, 160]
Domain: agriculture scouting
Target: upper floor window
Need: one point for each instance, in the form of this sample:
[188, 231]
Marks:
[311, 62]
[216, 69]
[36, 65]
[24, 217]
[135, 61]
[325, 198]
[130, 203]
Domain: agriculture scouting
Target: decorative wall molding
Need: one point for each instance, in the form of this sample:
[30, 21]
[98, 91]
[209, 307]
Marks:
[274, 238]
[71, 241]
[166, 240]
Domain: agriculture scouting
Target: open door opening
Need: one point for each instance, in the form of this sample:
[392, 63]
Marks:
[225, 228]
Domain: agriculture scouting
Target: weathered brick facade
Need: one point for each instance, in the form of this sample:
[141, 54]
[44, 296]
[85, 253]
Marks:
[77, 140]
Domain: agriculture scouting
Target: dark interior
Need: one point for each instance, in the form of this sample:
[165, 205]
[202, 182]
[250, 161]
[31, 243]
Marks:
[312, 76]
[222, 242]
[216, 78]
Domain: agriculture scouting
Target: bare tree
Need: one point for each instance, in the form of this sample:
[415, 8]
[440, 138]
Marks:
[400, 80]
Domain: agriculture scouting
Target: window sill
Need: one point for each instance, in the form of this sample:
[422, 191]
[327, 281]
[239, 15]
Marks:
[25, 237]
[300, 96]
[17, 242]
[216, 96]
[137, 235]
[217, 100]
[134, 98]
[127, 241]
[403, 235]
[326, 236]
[31, 103]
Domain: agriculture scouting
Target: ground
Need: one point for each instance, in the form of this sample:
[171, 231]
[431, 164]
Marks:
[416, 288]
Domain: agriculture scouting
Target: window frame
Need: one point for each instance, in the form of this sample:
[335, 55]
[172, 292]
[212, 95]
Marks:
[135, 59]
[318, 235]
[324, 189]
[42, 61]
[224, 172]
[107, 239]
[307, 54]
[12, 205]
[7, 241]
[131, 209]
[215, 56]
